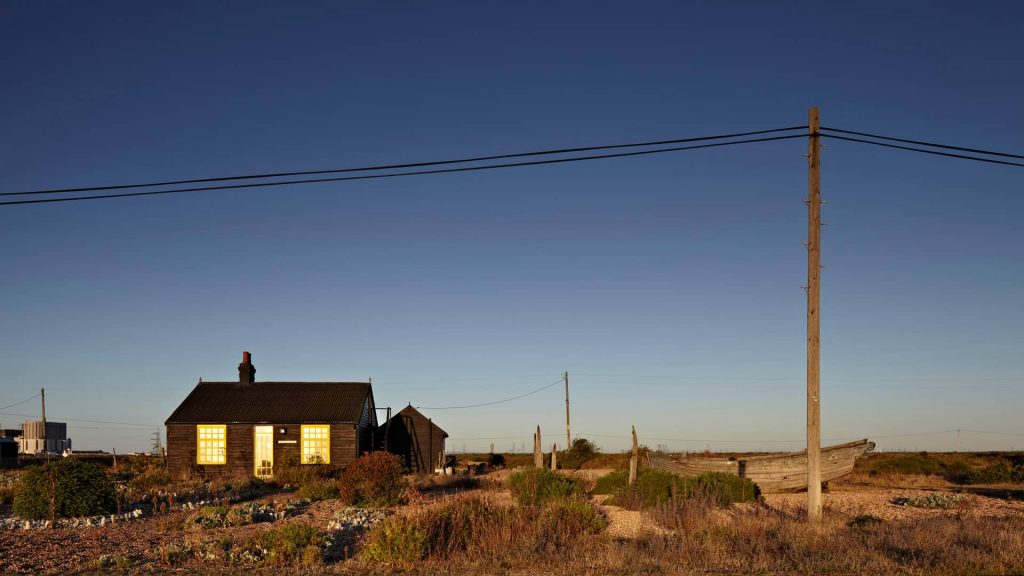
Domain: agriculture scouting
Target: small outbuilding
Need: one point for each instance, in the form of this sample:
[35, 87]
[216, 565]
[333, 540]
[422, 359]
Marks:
[415, 439]
[249, 428]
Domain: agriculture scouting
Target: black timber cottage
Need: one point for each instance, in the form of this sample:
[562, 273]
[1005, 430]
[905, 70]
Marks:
[415, 439]
[247, 428]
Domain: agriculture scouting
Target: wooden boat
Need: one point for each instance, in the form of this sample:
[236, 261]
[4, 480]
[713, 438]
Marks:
[773, 473]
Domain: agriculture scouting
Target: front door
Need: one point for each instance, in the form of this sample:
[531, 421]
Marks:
[264, 451]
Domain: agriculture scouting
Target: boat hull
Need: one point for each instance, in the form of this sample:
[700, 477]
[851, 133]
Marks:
[774, 473]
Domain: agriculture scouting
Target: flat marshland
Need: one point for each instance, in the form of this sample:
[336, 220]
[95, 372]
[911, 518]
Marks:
[896, 514]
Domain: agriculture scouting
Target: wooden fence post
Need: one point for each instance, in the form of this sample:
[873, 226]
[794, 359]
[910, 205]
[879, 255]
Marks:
[538, 456]
[634, 460]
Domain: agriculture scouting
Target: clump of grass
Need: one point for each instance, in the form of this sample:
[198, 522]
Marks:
[397, 540]
[656, 487]
[318, 489]
[686, 514]
[564, 520]
[151, 478]
[472, 529]
[293, 543]
[864, 521]
[536, 486]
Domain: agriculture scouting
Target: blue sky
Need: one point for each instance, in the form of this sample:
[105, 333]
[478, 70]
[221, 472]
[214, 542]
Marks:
[669, 286]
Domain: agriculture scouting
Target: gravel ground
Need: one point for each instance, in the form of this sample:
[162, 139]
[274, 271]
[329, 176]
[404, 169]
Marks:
[878, 502]
[76, 550]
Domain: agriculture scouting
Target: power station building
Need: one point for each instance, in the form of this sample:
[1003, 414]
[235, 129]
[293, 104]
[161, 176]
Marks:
[33, 440]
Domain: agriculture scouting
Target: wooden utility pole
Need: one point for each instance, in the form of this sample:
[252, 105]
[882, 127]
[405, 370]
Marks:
[42, 397]
[813, 322]
[568, 436]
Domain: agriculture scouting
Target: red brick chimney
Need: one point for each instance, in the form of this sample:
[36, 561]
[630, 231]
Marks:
[246, 371]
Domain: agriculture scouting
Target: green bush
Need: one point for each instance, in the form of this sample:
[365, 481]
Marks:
[998, 473]
[397, 540]
[612, 482]
[909, 464]
[291, 543]
[374, 479]
[74, 487]
[654, 487]
[569, 518]
[319, 489]
[581, 451]
[535, 486]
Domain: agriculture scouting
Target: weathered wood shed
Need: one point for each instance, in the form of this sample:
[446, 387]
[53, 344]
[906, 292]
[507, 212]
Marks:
[417, 440]
[249, 428]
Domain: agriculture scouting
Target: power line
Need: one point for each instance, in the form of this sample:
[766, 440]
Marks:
[559, 381]
[150, 426]
[19, 403]
[995, 433]
[399, 174]
[921, 143]
[400, 166]
[922, 150]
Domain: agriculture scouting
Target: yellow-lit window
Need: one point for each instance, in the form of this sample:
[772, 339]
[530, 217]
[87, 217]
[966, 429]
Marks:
[316, 444]
[211, 444]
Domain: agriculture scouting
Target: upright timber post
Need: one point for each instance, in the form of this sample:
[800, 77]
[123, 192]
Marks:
[538, 456]
[568, 436]
[634, 460]
[813, 322]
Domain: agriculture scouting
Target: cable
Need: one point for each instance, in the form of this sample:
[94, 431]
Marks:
[995, 433]
[397, 166]
[932, 144]
[19, 403]
[150, 426]
[559, 381]
[935, 152]
[398, 174]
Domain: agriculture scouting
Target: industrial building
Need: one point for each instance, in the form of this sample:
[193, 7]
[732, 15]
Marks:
[33, 440]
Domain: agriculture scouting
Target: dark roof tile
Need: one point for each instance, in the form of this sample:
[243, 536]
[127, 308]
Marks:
[272, 402]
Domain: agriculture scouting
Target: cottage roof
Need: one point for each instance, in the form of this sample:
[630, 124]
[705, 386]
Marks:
[273, 403]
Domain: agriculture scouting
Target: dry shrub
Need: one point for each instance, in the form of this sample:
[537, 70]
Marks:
[446, 484]
[472, 529]
[374, 479]
[535, 486]
[691, 513]
[292, 543]
[397, 540]
[318, 489]
[152, 477]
